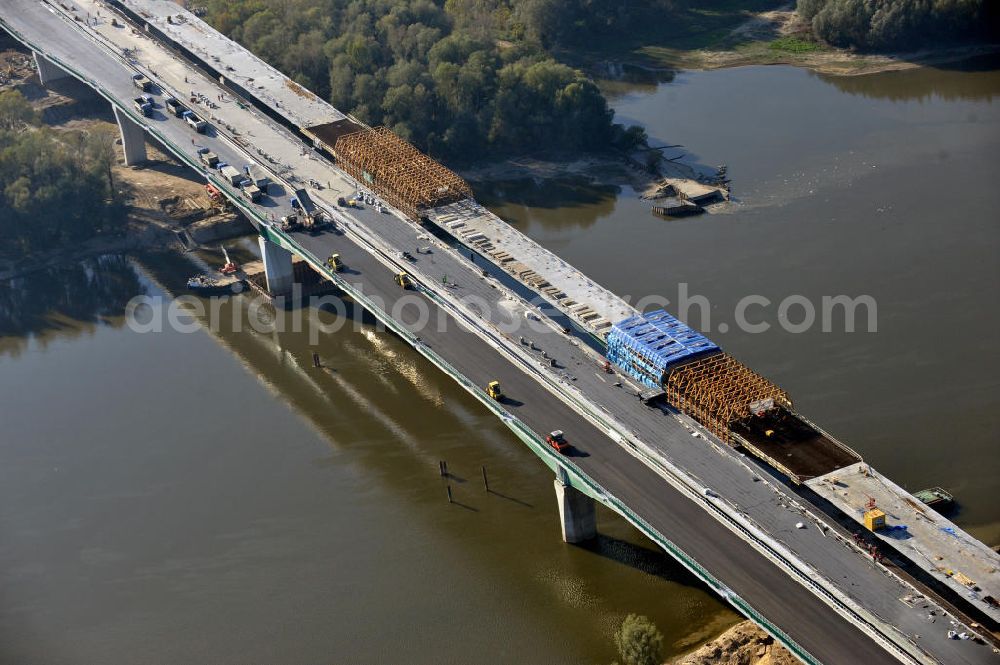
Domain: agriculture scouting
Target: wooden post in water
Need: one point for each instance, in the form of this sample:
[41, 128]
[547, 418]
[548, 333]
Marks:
[486, 481]
[450, 500]
[316, 361]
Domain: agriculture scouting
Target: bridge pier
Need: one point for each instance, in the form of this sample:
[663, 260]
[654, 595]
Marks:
[576, 514]
[133, 138]
[47, 70]
[277, 267]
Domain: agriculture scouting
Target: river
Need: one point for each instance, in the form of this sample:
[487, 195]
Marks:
[211, 497]
[881, 185]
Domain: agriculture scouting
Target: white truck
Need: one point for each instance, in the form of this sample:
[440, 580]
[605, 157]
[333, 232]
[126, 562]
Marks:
[208, 158]
[231, 174]
[144, 105]
[257, 175]
[196, 123]
[250, 191]
[175, 107]
[141, 82]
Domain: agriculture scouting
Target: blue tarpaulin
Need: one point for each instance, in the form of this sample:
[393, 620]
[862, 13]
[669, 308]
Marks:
[648, 345]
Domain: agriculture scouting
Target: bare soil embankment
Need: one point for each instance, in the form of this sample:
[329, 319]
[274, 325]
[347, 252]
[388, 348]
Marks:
[743, 644]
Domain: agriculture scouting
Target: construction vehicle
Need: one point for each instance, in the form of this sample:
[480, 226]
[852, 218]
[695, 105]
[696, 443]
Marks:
[256, 174]
[141, 82]
[196, 123]
[304, 202]
[557, 441]
[230, 173]
[213, 193]
[341, 201]
[144, 105]
[230, 267]
[208, 158]
[404, 281]
[220, 202]
[175, 107]
[493, 390]
[318, 221]
[250, 191]
[290, 223]
[335, 262]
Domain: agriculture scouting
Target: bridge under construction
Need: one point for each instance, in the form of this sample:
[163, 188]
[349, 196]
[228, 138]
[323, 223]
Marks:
[670, 463]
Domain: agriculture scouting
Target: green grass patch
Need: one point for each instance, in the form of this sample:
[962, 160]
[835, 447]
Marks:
[793, 45]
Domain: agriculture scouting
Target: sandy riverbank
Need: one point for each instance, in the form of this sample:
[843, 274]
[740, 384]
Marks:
[743, 644]
[781, 37]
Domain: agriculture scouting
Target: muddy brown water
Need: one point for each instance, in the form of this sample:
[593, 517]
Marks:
[212, 497]
[881, 185]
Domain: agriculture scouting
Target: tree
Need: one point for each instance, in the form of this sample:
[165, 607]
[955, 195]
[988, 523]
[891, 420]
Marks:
[899, 24]
[639, 641]
[15, 111]
[54, 187]
[456, 77]
[102, 153]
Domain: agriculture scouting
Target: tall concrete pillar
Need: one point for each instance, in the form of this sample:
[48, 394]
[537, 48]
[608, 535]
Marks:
[48, 70]
[576, 513]
[277, 267]
[133, 138]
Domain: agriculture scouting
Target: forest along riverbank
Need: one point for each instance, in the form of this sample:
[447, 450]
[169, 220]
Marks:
[166, 203]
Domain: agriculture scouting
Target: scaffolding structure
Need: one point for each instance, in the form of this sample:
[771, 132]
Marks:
[398, 172]
[718, 389]
[646, 346]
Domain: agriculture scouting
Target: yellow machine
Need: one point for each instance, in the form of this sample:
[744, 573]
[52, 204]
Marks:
[404, 280]
[493, 390]
[874, 519]
[334, 262]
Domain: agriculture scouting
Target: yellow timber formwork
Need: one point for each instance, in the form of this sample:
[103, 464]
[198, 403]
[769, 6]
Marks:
[396, 171]
[718, 389]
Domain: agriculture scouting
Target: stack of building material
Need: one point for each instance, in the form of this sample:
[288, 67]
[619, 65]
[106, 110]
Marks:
[646, 346]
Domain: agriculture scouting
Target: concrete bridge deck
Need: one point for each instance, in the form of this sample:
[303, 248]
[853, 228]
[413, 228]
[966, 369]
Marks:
[949, 555]
[747, 573]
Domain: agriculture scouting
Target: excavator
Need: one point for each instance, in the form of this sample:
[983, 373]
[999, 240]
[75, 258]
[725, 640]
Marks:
[230, 267]
[404, 281]
[335, 263]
